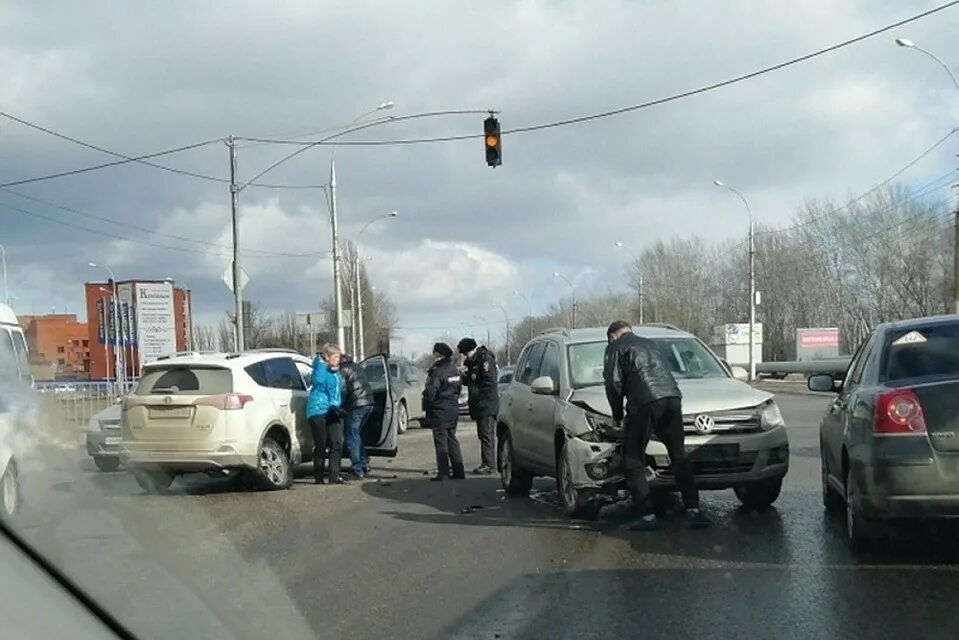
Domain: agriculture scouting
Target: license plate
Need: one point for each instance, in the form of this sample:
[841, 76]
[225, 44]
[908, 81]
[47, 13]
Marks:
[713, 451]
[170, 413]
[112, 440]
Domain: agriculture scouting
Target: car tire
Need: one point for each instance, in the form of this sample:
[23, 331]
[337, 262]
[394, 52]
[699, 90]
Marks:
[153, 481]
[831, 500]
[516, 480]
[577, 503]
[274, 471]
[858, 529]
[107, 463]
[10, 490]
[403, 417]
[759, 495]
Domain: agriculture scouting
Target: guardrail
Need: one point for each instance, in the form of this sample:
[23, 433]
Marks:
[74, 403]
[831, 365]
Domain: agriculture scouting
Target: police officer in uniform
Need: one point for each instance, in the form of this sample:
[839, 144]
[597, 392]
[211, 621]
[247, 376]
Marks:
[481, 380]
[441, 404]
[635, 371]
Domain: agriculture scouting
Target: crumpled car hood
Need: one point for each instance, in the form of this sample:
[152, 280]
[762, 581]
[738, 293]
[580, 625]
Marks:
[704, 395]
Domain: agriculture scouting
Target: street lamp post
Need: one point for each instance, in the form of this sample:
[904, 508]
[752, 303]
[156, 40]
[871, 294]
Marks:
[640, 271]
[359, 287]
[119, 374]
[909, 44]
[573, 299]
[752, 279]
[505, 315]
[486, 322]
[529, 305]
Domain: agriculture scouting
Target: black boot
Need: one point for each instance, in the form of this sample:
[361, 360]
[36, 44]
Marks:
[335, 477]
[319, 470]
[443, 473]
[458, 472]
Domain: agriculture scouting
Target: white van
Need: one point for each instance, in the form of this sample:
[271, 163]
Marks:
[14, 367]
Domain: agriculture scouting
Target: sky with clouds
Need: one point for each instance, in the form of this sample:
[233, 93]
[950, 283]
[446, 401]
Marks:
[143, 77]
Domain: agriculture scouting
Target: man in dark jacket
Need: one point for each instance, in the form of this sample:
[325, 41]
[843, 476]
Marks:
[358, 403]
[481, 380]
[441, 404]
[635, 371]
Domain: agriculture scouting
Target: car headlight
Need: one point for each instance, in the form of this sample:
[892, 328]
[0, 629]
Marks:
[599, 423]
[94, 425]
[770, 416]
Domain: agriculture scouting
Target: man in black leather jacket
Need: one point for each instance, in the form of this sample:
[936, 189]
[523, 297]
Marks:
[358, 403]
[636, 371]
[441, 404]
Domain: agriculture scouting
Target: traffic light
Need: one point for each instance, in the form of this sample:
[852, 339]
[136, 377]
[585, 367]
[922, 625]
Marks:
[491, 139]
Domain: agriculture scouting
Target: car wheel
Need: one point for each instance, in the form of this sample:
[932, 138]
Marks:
[403, 418]
[759, 495]
[516, 480]
[577, 503]
[831, 500]
[274, 470]
[106, 463]
[858, 531]
[153, 481]
[10, 490]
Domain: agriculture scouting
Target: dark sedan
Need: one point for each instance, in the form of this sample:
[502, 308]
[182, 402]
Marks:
[890, 438]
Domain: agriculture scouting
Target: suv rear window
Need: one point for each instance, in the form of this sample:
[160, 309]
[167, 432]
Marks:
[186, 380]
[921, 352]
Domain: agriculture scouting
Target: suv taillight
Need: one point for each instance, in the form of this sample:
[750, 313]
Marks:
[227, 401]
[898, 413]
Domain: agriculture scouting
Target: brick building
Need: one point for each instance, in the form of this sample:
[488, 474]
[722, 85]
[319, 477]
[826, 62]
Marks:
[155, 319]
[60, 340]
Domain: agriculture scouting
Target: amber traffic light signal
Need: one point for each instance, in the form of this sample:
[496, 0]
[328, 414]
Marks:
[491, 139]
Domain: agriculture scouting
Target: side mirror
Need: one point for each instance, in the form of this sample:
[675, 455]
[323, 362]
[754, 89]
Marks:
[822, 383]
[739, 373]
[543, 386]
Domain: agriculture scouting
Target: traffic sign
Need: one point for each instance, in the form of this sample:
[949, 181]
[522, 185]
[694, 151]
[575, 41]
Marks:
[228, 278]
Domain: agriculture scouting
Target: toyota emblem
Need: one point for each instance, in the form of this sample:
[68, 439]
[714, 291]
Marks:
[704, 423]
[169, 400]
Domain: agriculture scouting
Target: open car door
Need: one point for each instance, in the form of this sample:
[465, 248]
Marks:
[381, 429]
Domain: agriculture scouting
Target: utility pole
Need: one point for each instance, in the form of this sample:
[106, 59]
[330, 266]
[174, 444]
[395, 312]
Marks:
[239, 334]
[752, 298]
[337, 277]
[955, 255]
[641, 298]
[358, 313]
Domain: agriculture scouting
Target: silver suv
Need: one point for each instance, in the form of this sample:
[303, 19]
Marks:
[555, 421]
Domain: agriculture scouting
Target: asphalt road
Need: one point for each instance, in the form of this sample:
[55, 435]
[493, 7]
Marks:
[399, 557]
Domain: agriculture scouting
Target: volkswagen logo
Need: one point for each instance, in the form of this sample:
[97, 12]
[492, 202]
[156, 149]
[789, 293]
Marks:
[704, 423]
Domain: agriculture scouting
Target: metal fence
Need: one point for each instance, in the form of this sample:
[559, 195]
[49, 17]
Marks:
[74, 403]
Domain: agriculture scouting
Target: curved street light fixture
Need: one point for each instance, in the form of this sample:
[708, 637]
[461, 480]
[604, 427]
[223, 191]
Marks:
[640, 290]
[752, 278]
[572, 289]
[358, 307]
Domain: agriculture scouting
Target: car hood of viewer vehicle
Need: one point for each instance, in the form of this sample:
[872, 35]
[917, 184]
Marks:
[704, 395]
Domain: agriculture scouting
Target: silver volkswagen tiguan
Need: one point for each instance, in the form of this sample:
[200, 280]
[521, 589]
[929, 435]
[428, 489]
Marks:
[555, 421]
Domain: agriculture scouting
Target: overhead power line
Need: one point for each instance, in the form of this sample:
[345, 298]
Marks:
[642, 105]
[107, 234]
[125, 159]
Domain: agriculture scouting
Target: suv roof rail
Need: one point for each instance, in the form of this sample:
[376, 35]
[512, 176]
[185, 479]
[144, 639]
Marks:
[562, 330]
[236, 354]
[183, 353]
[661, 325]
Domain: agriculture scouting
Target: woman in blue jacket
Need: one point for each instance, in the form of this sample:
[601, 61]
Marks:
[325, 412]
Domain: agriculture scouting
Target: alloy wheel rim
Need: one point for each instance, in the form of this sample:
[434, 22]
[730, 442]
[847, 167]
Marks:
[506, 464]
[404, 417]
[850, 516]
[271, 466]
[569, 492]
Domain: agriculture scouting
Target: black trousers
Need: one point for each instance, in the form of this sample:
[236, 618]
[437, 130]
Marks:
[486, 432]
[327, 436]
[665, 419]
[448, 453]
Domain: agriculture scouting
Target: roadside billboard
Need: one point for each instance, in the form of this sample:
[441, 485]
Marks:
[155, 321]
[817, 343]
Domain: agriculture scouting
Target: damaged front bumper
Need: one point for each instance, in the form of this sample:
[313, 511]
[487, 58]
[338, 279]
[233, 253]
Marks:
[719, 462]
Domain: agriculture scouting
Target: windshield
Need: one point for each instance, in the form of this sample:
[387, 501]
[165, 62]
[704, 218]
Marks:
[687, 359]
